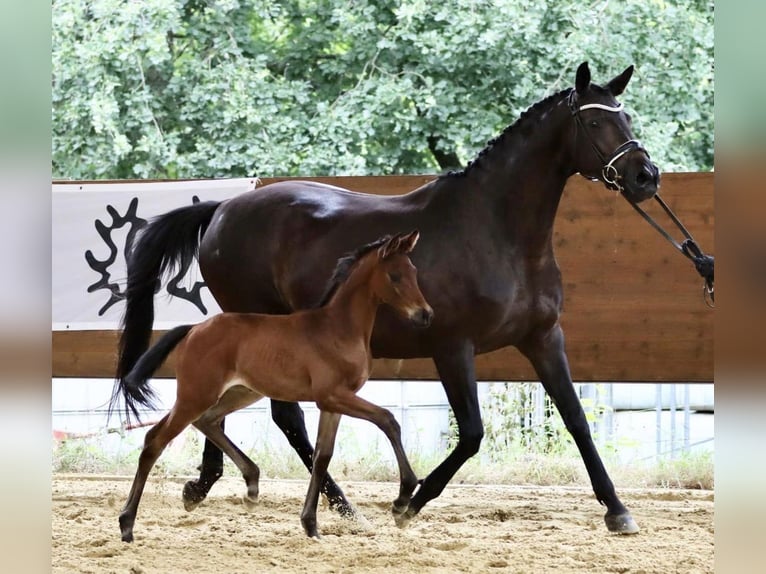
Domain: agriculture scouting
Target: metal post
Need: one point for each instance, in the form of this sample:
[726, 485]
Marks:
[658, 410]
[673, 421]
[687, 416]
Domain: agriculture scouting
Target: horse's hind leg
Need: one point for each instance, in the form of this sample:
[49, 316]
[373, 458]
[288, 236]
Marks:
[155, 442]
[211, 469]
[210, 424]
[455, 365]
[289, 418]
[549, 360]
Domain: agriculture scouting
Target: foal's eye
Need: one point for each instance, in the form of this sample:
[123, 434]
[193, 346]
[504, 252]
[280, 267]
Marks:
[395, 277]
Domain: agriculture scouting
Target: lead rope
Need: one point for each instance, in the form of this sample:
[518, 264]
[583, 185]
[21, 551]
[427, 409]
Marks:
[705, 264]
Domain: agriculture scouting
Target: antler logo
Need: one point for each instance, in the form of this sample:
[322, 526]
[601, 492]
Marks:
[102, 267]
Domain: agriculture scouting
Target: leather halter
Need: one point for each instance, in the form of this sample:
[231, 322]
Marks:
[705, 264]
[609, 174]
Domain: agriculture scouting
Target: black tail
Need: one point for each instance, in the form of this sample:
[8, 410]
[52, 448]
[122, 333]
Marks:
[134, 386]
[168, 241]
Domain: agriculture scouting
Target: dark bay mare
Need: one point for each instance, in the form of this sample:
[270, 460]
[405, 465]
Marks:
[485, 261]
[323, 355]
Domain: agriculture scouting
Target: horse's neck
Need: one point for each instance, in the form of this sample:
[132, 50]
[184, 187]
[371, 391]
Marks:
[353, 306]
[516, 185]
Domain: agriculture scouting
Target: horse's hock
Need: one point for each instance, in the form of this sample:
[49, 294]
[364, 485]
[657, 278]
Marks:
[633, 310]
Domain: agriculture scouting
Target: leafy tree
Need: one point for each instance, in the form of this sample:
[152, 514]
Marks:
[196, 88]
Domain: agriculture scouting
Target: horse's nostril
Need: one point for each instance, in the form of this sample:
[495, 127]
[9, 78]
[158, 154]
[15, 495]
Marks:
[647, 176]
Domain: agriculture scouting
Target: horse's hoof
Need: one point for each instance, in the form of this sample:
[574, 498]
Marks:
[127, 537]
[621, 523]
[250, 502]
[403, 519]
[398, 508]
[192, 495]
[343, 507]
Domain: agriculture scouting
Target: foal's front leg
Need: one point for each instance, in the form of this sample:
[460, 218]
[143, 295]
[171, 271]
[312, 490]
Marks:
[328, 428]
[349, 403]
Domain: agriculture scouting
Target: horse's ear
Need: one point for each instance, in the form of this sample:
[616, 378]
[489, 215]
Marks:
[583, 78]
[617, 84]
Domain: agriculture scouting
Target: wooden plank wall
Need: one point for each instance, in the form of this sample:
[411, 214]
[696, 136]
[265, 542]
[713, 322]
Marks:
[633, 309]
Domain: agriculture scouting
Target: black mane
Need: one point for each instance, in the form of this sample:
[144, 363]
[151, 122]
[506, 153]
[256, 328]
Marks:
[530, 112]
[344, 267]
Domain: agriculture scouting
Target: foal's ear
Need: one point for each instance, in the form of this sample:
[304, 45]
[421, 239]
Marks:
[399, 243]
[389, 247]
[617, 85]
[583, 78]
[408, 241]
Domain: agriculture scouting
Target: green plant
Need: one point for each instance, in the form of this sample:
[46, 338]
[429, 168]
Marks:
[184, 88]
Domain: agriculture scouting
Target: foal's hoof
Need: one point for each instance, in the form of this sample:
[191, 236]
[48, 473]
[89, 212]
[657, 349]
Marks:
[310, 528]
[403, 519]
[193, 494]
[621, 523]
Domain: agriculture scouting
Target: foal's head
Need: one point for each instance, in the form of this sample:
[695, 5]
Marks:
[394, 278]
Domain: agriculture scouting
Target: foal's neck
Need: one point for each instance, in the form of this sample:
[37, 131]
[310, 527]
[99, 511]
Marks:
[354, 305]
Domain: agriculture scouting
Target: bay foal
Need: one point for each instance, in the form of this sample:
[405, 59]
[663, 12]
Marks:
[321, 355]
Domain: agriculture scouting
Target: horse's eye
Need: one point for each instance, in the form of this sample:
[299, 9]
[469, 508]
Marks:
[395, 277]
[593, 123]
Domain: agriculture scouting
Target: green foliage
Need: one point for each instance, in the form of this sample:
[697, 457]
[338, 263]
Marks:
[196, 88]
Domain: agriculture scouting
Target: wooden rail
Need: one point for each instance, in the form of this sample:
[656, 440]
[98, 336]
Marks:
[633, 308]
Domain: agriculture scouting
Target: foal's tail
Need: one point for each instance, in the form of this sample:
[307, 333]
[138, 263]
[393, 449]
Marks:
[134, 386]
[168, 241]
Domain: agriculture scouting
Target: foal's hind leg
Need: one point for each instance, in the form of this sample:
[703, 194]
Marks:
[549, 359]
[155, 442]
[210, 424]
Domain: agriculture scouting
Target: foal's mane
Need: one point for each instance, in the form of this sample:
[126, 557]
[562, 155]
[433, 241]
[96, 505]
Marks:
[344, 268]
[532, 112]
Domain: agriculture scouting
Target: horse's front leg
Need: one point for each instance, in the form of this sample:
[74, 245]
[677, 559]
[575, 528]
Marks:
[211, 469]
[456, 369]
[547, 355]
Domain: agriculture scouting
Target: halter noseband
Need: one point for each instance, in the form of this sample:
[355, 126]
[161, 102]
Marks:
[609, 172]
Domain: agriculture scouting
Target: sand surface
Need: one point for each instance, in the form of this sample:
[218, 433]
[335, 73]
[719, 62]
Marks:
[467, 529]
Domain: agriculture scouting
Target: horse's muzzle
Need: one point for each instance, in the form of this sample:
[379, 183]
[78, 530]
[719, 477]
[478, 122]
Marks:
[643, 182]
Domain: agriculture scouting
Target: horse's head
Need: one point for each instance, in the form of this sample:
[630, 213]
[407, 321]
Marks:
[395, 279]
[606, 149]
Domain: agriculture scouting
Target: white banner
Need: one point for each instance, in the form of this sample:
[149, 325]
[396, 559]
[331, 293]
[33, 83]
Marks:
[91, 223]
